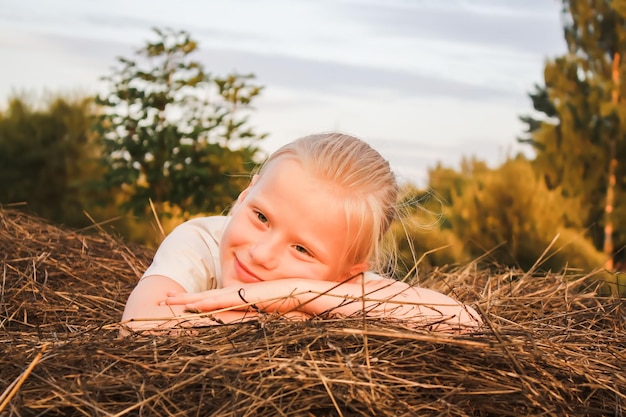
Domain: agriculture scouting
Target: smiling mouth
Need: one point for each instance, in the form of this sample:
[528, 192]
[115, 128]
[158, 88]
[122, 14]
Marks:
[244, 273]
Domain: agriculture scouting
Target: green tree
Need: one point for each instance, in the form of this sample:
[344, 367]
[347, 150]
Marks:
[579, 133]
[510, 213]
[48, 158]
[175, 133]
[450, 183]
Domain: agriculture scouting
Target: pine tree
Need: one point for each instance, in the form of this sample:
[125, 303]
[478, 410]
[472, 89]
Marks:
[579, 137]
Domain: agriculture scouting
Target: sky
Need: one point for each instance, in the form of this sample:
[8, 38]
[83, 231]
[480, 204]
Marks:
[423, 81]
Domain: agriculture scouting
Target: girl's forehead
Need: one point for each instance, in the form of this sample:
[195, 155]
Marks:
[288, 186]
[289, 164]
[283, 162]
[288, 175]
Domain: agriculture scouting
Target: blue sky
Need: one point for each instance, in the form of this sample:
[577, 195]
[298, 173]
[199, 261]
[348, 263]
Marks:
[424, 81]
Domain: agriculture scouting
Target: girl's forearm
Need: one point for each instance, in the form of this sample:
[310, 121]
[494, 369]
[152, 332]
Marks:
[387, 299]
[380, 298]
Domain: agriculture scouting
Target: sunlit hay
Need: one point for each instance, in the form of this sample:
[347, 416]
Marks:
[550, 346]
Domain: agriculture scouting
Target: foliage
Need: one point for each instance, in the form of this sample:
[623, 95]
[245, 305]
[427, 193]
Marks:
[48, 159]
[578, 130]
[173, 132]
[449, 182]
[508, 216]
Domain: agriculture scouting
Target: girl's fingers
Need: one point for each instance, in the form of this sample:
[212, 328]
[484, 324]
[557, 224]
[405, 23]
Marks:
[184, 298]
[207, 300]
[199, 306]
[200, 302]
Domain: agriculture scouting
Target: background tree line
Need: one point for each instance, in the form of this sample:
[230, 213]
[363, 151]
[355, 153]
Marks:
[170, 133]
[168, 138]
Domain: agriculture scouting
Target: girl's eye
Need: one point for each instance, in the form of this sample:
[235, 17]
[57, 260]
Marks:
[261, 217]
[303, 250]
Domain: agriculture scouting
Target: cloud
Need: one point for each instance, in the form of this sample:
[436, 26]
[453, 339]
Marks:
[273, 70]
[340, 78]
[381, 47]
[523, 25]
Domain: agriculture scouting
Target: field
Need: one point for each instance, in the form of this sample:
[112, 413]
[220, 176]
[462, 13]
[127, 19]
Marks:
[550, 346]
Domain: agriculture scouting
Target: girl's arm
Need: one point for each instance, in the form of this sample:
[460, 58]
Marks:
[146, 309]
[378, 298]
[146, 302]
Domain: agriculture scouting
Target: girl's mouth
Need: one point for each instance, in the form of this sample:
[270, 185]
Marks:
[244, 274]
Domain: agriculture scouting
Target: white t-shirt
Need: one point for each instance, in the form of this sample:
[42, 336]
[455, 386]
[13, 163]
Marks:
[190, 255]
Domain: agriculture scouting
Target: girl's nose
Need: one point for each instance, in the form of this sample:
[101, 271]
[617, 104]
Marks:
[264, 253]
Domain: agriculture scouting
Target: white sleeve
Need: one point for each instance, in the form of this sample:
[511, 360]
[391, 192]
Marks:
[189, 255]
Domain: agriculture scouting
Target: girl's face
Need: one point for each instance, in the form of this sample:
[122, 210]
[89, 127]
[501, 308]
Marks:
[286, 224]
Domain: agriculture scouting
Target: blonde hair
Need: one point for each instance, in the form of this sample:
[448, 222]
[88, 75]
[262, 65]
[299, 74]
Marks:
[368, 187]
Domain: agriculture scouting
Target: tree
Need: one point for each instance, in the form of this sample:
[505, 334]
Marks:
[510, 213]
[48, 158]
[175, 134]
[502, 217]
[580, 136]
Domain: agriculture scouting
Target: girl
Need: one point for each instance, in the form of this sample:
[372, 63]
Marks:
[299, 241]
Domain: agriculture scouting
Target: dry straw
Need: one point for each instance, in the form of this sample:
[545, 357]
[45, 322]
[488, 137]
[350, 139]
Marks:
[551, 346]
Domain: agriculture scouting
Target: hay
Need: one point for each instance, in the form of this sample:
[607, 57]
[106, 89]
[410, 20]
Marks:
[550, 346]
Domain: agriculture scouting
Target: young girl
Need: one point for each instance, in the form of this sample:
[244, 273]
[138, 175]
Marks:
[299, 241]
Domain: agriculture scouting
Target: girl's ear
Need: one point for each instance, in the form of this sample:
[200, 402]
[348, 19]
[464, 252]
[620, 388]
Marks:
[244, 193]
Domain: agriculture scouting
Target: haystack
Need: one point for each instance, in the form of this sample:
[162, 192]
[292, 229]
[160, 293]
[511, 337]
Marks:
[550, 346]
